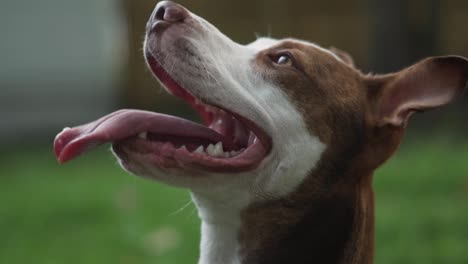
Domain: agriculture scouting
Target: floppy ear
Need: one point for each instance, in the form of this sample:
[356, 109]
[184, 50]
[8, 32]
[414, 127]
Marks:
[343, 55]
[427, 84]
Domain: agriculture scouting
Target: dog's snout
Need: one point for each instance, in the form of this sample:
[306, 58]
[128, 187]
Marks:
[169, 12]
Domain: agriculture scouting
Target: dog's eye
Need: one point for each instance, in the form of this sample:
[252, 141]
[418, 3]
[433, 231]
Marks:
[283, 59]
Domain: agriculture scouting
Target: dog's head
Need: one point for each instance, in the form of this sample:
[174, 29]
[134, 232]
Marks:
[278, 113]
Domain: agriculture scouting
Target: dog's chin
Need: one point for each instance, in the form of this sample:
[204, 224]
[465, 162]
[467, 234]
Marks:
[140, 165]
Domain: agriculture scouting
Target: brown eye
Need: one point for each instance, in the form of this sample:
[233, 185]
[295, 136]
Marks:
[283, 59]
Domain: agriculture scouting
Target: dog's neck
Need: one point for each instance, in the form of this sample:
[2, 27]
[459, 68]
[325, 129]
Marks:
[336, 228]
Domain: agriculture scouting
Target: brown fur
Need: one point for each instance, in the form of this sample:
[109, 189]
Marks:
[330, 217]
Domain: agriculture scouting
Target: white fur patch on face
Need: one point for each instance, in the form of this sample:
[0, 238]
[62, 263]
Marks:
[214, 68]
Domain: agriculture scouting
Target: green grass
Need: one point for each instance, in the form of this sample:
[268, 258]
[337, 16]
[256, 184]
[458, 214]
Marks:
[90, 211]
[422, 205]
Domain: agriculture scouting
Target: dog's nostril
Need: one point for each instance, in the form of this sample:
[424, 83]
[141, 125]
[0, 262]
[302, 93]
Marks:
[160, 13]
[169, 12]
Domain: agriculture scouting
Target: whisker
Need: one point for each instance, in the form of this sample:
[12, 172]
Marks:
[178, 211]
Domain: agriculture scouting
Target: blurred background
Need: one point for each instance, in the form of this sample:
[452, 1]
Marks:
[65, 62]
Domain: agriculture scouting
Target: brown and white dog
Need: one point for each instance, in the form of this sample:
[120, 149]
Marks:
[281, 172]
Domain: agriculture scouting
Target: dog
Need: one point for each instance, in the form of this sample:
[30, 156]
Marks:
[281, 171]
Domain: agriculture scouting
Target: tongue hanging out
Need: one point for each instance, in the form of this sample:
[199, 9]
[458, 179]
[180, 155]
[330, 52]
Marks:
[129, 123]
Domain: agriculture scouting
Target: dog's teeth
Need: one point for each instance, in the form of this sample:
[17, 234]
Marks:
[65, 129]
[143, 135]
[210, 150]
[234, 153]
[218, 149]
[252, 138]
[213, 150]
[200, 150]
[183, 147]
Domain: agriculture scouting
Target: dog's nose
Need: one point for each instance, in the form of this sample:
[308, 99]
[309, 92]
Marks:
[169, 12]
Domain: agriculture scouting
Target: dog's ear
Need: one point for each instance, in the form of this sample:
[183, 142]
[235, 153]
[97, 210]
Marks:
[427, 84]
[343, 55]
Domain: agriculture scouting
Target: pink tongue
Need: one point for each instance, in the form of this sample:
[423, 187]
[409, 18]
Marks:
[123, 124]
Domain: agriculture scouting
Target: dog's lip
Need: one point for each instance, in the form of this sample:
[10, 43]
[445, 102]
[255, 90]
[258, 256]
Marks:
[166, 155]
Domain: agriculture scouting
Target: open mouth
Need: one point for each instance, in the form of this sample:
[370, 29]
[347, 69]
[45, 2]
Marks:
[227, 142]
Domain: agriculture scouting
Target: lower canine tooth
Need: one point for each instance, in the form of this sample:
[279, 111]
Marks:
[218, 149]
